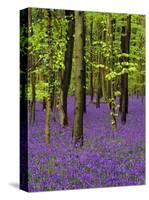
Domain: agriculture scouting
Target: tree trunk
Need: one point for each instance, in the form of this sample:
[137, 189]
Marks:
[108, 60]
[68, 63]
[32, 74]
[123, 99]
[112, 81]
[99, 61]
[53, 92]
[84, 66]
[49, 78]
[98, 89]
[109, 92]
[103, 61]
[91, 61]
[78, 107]
[125, 47]
[103, 84]
[47, 120]
[44, 103]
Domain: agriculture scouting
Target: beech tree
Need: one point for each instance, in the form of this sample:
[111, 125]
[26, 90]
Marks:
[78, 107]
[91, 60]
[49, 79]
[84, 64]
[125, 47]
[32, 76]
[68, 62]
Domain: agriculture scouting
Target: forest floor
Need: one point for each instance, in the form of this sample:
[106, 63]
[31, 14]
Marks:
[106, 158]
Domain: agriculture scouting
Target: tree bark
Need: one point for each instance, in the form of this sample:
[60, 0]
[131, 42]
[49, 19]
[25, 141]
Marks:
[99, 61]
[112, 81]
[84, 66]
[49, 78]
[103, 71]
[32, 74]
[98, 89]
[78, 107]
[108, 61]
[68, 64]
[47, 120]
[125, 47]
[53, 92]
[91, 61]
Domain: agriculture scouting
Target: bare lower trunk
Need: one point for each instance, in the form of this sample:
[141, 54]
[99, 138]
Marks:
[68, 64]
[91, 60]
[98, 89]
[78, 107]
[47, 120]
[49, 80]
[84, 67]
[125, 47]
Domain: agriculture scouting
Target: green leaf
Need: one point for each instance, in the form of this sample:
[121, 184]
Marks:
[111, 76]
[117, 93]
[99, 66]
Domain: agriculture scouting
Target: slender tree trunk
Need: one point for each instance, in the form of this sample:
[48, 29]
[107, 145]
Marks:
[125, 46]
[68, 65]
[78, 107]
[91, 61]
[49, 78]
[103, 84]
[54, 109]
[103, 71]
[60, 103]
[99, 61]
[44, 103]
[98, 89]
[123, 99]
[108, 61]
[84, 66]
[112, 81]
[123, 81]
[47, 120]
[53, 92]
[44, 79]
[109, 92]
[32, 74]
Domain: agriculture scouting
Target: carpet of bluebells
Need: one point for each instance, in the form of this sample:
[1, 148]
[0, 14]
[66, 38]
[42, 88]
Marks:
[106, 159]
